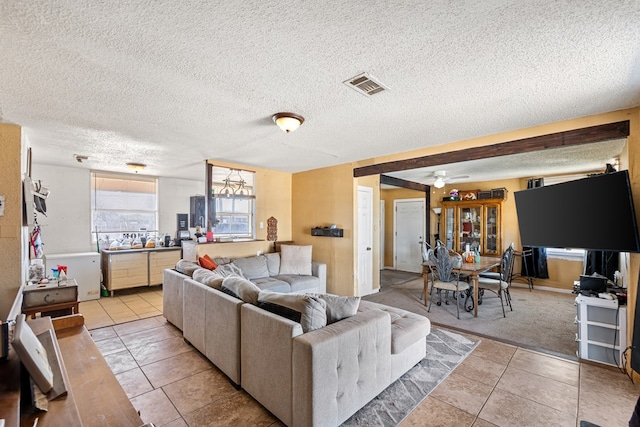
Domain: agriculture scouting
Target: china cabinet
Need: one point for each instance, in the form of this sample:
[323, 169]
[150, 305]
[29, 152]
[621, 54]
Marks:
[477, 223]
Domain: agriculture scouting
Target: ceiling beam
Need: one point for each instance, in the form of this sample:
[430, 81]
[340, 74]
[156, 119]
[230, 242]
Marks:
[389, 180]
[586, 135]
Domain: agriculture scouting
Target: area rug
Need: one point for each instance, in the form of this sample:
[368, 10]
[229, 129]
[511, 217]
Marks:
[445, 351]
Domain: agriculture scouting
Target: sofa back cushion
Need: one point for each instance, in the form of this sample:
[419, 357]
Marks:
[241, 288]
[311, 309]
[253, 267]
[187, 267]
[339, 307]
[295, 259]
[273, 263]
[212, 279]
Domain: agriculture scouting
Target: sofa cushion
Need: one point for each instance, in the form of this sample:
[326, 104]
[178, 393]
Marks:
[253, 267]
[406, 327]
[300, 283]
[212, 279]
[295, 259]
[312, 309]
[241, 288]
[187, 267]
[206, 262]
[339, 307]
[273, 284]
[229, 269]
[273, 263]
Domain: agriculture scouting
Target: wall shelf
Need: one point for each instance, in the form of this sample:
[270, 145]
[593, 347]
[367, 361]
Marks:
[327, 232]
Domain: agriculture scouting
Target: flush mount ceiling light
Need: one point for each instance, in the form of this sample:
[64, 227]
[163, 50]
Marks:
[288, 122]
[137, 167]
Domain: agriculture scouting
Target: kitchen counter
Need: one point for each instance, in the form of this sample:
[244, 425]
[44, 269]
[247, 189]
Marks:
[122, 251]
[132, 268]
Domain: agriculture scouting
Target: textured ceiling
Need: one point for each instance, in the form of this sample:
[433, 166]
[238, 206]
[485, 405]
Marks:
[171, 84]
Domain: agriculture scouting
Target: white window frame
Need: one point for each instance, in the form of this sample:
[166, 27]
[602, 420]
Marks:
[98, 233]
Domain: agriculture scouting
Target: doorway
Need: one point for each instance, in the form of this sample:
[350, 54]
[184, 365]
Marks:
[410, 227]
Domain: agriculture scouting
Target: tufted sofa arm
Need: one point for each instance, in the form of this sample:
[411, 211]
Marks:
[339, 368]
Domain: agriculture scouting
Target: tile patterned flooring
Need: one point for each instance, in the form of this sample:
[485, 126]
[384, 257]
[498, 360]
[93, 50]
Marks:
[172, 384]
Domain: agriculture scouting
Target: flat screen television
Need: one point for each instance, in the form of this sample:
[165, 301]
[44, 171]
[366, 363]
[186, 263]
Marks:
[594, 213]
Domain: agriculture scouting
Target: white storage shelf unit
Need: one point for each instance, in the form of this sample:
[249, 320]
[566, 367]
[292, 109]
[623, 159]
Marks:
[602, 330]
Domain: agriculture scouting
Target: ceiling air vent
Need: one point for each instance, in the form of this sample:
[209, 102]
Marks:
[365, 84]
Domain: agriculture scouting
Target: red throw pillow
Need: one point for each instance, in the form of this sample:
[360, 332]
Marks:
[215, 264]
[208, 263]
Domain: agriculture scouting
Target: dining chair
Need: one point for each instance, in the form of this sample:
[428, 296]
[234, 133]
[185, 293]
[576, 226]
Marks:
[499, 282]
[445, 276]
[426, 251]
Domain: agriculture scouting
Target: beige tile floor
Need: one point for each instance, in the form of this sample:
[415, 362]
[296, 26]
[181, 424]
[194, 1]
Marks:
[172, 384]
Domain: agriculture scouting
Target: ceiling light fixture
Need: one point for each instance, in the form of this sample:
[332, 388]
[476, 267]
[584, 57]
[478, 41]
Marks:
[439, 182]
[137, 167]
[288, 122]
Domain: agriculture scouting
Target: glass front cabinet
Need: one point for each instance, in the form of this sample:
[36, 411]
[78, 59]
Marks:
[477, 223]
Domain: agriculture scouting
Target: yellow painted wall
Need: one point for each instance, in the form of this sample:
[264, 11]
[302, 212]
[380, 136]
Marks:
[322, 197]
[389, 196]
[273, 198]
[11, 262]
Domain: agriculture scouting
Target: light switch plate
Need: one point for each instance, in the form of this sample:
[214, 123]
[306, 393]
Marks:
[2, 198]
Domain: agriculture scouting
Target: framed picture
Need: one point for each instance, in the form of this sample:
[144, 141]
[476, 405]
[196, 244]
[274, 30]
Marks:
[32, 354]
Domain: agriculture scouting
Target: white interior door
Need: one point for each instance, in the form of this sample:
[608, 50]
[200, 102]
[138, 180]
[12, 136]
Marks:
[409, 225]
[382, 207]
[365, 240]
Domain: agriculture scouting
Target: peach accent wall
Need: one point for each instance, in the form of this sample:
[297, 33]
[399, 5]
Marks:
[322, 197]
[11, 249]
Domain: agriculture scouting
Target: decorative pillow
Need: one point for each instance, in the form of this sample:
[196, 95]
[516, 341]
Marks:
[295, 260]
[312, 309]
[207, 262]
[273, 263]
[210, 278]
[187, 267]
[241, 288]
[229, 269]
[253, 267]
[339, 307]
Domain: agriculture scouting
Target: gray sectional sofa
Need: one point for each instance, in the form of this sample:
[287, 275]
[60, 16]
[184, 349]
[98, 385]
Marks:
[321, 376]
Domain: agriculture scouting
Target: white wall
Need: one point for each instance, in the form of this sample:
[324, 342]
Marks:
[173, 198]
[67, 226]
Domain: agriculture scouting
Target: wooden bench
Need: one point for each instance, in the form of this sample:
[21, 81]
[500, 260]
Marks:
[95, 397]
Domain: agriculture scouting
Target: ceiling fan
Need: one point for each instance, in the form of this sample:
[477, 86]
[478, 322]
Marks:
[441, 178]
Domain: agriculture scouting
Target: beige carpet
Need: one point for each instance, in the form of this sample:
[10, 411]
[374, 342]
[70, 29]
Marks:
[540, 320]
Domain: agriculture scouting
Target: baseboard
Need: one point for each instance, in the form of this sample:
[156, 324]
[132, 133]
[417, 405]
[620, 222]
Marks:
[542, 288]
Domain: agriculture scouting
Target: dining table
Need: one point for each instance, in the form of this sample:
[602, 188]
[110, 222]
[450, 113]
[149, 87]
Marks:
[473, 269]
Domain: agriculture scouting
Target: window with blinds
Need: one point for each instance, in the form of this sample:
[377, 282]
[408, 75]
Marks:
[123, 204]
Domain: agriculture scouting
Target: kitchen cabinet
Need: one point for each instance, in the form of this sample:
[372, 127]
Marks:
[123, 269]
[477, 223]
[602, 330]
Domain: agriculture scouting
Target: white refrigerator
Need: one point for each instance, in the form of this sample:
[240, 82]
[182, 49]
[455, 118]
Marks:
[84, 267]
